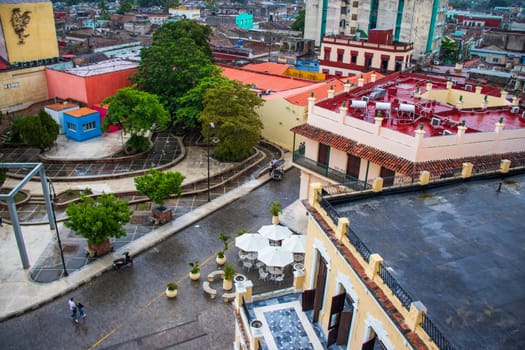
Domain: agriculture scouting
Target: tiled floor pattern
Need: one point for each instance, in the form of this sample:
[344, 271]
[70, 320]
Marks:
[285, 326]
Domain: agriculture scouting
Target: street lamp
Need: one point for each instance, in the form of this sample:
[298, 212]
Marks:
[212, 126]
[52, 195]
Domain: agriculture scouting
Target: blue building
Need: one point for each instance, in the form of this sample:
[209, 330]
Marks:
[82, 124]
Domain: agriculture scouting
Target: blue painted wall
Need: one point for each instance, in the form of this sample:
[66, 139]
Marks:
[81, 128]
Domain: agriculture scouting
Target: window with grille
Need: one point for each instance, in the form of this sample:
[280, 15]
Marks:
[72, 127]
[89, 126]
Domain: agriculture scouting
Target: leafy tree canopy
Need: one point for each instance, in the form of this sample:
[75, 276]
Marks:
[171, 70]
[172, 32]
[159, 186]
[137, 111]
[98, 219]
[125, 6]
[298, 24]
[191, 104]
[231, 107]
[449, 49]
[38, 130]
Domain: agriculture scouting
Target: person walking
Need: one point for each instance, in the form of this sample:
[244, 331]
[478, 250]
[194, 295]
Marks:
[72, 307]
[81, 313]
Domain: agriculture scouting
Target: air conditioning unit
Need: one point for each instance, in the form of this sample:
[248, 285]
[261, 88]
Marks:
[514, 109]
[468, 87]
[446, 132]
[523, 115]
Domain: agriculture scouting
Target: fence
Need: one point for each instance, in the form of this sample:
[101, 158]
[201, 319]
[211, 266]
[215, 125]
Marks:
[435, 334]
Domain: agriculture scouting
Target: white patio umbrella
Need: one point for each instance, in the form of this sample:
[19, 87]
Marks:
[251, 242]
[275, 256]
[295, 243]
[275, 232]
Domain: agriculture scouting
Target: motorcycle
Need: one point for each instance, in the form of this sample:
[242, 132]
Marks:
[118, 263]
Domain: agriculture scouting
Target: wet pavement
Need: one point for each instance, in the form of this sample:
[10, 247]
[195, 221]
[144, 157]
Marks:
[128, 309]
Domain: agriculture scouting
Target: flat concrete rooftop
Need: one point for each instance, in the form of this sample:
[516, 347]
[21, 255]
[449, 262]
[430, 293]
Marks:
[460, 250]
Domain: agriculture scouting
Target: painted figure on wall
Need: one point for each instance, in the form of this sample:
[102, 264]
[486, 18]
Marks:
[19, 21]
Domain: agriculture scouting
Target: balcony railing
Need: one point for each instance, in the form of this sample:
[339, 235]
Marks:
[435, 334]
[326, 171]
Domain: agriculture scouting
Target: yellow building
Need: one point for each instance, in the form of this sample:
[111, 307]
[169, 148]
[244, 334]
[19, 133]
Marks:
[28, 42]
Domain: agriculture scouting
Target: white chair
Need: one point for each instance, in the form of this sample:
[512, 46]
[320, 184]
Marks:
[259, 264]
[263, 275]
[279, 278]
[247, 265]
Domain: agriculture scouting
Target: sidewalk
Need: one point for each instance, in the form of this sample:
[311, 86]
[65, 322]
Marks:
[19, 294]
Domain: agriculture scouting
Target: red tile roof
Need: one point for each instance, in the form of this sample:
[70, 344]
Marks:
[267, 67]
[395, 163]
[263, 81]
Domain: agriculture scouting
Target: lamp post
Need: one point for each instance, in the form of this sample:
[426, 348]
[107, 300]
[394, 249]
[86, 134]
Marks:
[52, 195]
[212, 126]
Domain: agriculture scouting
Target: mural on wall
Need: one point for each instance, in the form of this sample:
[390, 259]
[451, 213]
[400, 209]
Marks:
[19, 21]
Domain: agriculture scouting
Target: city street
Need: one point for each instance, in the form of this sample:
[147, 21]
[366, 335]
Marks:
[128, 308]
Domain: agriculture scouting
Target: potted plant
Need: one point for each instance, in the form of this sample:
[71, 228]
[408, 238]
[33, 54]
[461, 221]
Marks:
[275, 209]
[227, 277]
[97, 220]
[159, 186]
[171, 289]
[221, 258]
[195, 270]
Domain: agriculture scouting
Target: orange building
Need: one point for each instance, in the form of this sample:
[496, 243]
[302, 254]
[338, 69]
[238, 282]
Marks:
[90, 84]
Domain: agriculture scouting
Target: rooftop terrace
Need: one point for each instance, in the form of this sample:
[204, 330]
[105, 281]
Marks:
[456, 253]
[407, 102]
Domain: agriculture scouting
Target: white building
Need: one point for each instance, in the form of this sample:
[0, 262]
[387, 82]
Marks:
[413, 21]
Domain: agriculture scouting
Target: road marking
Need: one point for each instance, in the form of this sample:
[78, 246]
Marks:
[141, 309]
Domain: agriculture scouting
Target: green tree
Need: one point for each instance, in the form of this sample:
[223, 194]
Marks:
[231, 107]
[177, 60]
[39, 130]
[137, 111]
[298, 24]
[98, 219]
[191, 103]
[449, 50]
[125, 6]
[159, 186]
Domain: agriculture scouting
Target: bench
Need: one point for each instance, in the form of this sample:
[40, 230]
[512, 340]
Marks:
[228, 297]
[214, 274]
[206, 287]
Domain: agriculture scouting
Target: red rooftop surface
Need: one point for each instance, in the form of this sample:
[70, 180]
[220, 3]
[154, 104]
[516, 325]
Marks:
[77, 113]
[394, 98]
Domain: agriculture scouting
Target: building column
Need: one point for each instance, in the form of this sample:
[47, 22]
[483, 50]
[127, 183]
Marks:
[415, 315]
[467, 170]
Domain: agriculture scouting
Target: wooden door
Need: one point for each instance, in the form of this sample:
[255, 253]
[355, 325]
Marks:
[323, 154]
[345, 321]
[307, 299]
[320, 287]
[353, 165]
[388, 176]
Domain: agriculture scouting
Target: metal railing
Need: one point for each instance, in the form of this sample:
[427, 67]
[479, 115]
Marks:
[321, 168]
[395, 287]
[435, 334]
[330, 210]
[359, 245]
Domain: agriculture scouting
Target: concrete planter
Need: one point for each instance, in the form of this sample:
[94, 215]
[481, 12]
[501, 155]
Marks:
[171, 293]
[220, 261]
